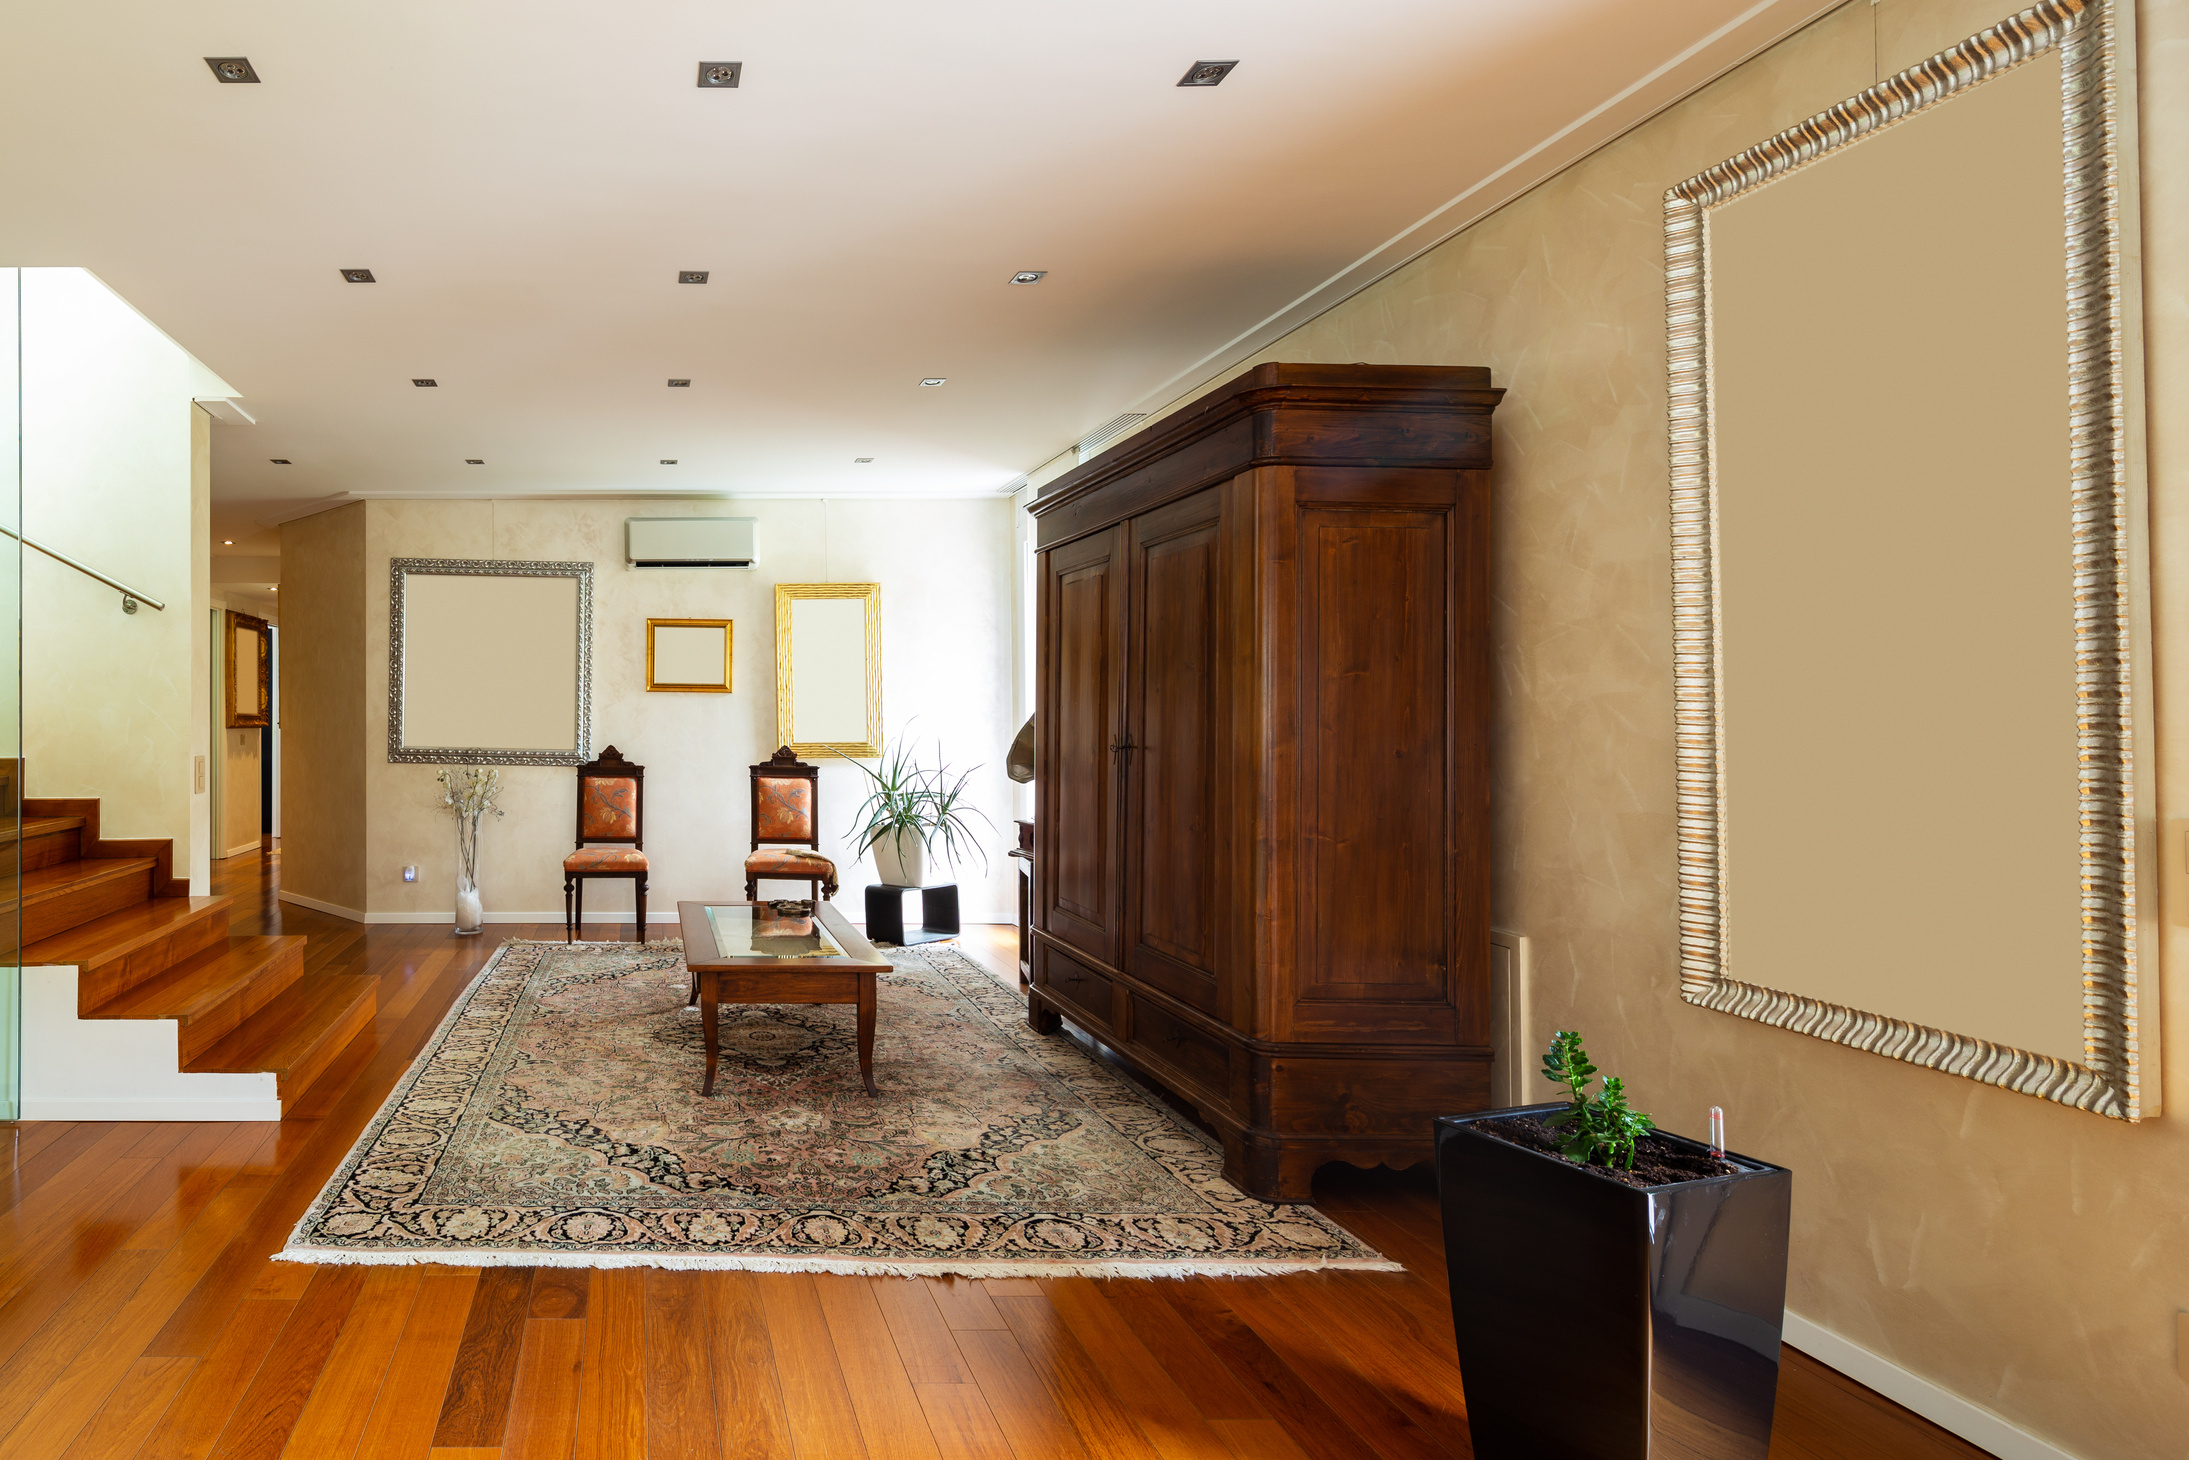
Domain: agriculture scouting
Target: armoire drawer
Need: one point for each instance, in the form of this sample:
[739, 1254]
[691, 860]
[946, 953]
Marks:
[1082, 994]
[1199, 1057]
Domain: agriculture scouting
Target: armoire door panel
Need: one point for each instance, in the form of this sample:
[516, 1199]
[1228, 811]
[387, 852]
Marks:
[1077, 821]
[1375, 861]
[1172, 907]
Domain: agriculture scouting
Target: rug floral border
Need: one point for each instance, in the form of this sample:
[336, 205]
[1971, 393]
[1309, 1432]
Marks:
[1235, 1234]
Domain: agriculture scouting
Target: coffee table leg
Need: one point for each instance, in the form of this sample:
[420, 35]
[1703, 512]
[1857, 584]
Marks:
[866, 1032]
[714, 1042]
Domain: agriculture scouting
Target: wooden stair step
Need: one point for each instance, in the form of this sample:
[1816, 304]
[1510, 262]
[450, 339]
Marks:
[213, 991]
[298, 1033]
[140, 942]
[57, 898]
[33, 827]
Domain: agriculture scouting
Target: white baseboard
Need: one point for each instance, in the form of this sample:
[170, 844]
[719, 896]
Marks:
[1942, 1407]
[248, 848]
[336, 908]
[36, 1108]
[653, 916]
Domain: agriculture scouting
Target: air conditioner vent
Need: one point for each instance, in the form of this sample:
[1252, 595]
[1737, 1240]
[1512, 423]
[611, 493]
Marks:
[1101, 436]
[690, 542]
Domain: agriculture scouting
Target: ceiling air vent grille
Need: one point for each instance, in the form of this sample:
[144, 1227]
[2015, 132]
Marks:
[1103, 435]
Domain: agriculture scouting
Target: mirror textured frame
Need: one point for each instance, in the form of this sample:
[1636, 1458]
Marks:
[2118, 1075]
[786, 720]
[402, 753]
[254, 709]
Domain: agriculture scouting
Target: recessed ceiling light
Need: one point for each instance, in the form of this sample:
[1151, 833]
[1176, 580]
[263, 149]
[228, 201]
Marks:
[691, 276]
[675, 383]
[227, 542]
[934, 380]
[668, 461]
[857, 460]
[474, 461]
[279, 460]
[1029, 276]
[1206, 73]
[715, 74]
[231, 69]
[416, 381]
[358, 276]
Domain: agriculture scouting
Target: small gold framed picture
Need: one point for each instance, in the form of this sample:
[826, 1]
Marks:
[689, 655]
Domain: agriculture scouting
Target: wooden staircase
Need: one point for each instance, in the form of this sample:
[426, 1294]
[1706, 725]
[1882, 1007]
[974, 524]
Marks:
[144, 948]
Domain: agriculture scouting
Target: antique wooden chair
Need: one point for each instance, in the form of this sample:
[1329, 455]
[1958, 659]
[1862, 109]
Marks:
[611, 808]
[786, 796]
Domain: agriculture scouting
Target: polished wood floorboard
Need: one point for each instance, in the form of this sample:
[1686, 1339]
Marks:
[140, 1317]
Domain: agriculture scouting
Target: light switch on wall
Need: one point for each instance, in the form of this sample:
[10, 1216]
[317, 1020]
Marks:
[197, 775]
[410, 874]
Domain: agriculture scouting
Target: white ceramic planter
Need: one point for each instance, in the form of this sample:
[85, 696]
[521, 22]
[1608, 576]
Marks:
[901, 860]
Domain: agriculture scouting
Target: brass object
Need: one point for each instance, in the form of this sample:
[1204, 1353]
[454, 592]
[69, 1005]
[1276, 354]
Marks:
[852, 738]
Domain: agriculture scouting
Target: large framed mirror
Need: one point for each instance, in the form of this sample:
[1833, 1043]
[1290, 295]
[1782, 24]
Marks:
[828, 668]
[1909, 616]
[490, 662]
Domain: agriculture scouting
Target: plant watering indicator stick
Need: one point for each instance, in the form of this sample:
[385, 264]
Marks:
[1717, 1132]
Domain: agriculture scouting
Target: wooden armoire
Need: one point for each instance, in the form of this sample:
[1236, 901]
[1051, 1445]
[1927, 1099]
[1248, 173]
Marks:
[1262, 856]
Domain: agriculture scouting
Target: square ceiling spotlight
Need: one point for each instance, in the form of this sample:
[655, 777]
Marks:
[717, 75]
[935, 380]
[418, 382]
[1206, 73]
[668, 461]
[861, 460]
[691, 276]
[280, 460]
[358, 276]
[1029, 276]
[678, 384]
[232, 70]
[474, 461]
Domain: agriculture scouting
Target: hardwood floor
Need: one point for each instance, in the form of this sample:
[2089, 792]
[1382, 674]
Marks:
[139, 1315]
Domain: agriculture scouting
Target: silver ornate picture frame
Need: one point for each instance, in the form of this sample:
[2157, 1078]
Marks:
[2118, 1074]
[490, 656]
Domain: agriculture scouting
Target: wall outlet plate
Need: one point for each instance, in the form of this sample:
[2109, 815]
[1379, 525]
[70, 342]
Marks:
[410, 874]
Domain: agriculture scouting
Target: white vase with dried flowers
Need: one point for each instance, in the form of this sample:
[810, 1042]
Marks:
[469, 792]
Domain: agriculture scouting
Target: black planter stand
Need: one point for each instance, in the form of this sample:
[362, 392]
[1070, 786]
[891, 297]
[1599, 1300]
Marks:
[1598, 1321]
[885, 914]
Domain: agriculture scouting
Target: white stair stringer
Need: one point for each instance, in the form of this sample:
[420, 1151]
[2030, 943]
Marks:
[120, 1069]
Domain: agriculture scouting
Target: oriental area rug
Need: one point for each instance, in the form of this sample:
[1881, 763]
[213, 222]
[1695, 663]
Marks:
[555, 1120]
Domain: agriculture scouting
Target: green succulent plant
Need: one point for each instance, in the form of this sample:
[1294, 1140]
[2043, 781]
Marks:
[1600, 1129]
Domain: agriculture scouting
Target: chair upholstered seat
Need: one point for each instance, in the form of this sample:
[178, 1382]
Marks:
[791, 862]
[605, 859]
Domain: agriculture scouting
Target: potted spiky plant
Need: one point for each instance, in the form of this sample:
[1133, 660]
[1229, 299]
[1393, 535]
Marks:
[912, 809]
[1617, 1291]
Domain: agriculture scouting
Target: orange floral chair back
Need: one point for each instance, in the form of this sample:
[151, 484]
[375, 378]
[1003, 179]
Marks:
[611, 800]
[785, 800]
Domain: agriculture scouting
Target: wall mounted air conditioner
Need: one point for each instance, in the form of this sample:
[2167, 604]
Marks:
[689, 542]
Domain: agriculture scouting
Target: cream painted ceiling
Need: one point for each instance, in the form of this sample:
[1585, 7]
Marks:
[526, 180]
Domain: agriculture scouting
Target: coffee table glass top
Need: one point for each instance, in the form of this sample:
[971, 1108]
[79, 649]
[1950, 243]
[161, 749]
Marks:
[742, 930]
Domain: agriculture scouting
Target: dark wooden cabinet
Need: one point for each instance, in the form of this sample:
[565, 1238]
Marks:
[1262, 808]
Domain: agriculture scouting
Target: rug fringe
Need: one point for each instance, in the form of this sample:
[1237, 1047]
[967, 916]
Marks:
[728, 1262]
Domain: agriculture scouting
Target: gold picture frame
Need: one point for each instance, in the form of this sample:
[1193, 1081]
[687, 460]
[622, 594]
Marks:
[253, 708]
[655, 684]
[828, 668]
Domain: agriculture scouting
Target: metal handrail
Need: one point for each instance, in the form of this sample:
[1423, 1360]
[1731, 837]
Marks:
[130, 596]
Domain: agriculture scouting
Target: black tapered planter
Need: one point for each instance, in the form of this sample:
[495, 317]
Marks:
[1600, 1321]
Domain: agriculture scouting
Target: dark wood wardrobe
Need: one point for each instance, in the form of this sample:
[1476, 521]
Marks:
[1262, 805]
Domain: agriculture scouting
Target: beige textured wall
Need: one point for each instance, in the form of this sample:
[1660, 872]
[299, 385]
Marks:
[2024, 1255]
[325, 737]
[945, 571]
[107, 454]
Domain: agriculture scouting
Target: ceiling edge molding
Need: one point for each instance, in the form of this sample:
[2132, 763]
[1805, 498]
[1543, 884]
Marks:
[1741, 39]
[347, 499]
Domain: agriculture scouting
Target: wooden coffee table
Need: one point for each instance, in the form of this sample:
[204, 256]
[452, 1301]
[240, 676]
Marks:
[761, 958]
